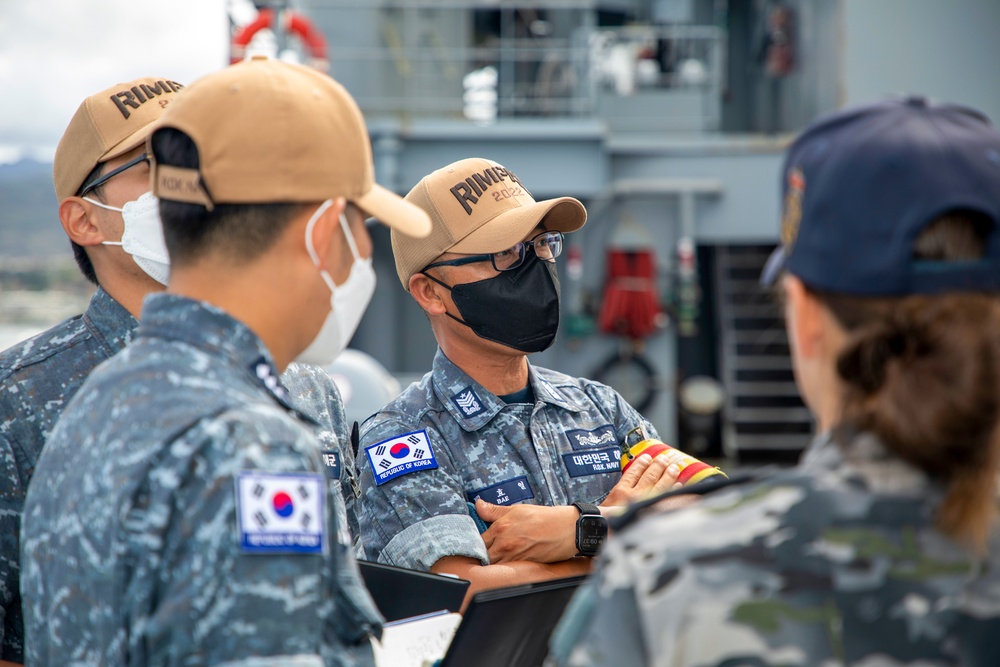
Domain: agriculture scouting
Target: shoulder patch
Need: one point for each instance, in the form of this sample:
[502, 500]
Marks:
[467, 402]
[280, 512]
[401, 455]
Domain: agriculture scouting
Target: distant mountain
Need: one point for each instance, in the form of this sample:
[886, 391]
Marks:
[29, 220]
[26, 169]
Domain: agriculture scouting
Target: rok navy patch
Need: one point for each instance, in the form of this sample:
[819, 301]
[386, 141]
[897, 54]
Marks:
[280, 512]
[331, 459]
[467, 402]
[401, 455]
[581, 439]
[580, 464]
[505, 493]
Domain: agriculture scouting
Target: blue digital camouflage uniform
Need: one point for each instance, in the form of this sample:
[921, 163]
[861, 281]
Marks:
[312, 391]
[562, 449]
[132, 550]
[39, 376]
[835, 562]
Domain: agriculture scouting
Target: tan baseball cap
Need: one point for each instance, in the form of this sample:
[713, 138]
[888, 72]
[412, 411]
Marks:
[477, 206]
[268, 131]
[108, 124]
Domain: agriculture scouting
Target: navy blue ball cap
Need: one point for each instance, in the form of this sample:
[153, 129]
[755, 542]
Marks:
[860, 185]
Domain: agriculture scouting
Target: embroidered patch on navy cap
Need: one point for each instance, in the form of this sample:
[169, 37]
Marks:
[583, 439]
[504, 493]
[401, 455]
[280, 512]
[331, 459]
[468, 402]
[592, 463]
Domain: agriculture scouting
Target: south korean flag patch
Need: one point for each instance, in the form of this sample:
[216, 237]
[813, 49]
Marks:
[280, 513]
[401, 455]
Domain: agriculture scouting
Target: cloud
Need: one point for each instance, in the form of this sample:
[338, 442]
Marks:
[54, 53]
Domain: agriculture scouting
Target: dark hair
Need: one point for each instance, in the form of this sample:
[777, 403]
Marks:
[240, 231]
[79, 252]
[922, 373]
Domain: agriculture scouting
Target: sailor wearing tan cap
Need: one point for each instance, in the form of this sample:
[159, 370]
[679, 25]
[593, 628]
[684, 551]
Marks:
[485, 426]
[101, 179]
[180, 512]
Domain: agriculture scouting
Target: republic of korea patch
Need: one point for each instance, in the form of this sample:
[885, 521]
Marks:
[401, 455]
[280, 513]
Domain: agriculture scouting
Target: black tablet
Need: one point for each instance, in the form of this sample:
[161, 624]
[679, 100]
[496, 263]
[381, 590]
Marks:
[401, 593]
[510, 626]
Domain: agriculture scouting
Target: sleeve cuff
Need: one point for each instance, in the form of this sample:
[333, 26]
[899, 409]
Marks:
[422, 544]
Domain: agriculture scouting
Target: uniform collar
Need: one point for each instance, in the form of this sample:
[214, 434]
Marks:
[110, 323]
[548, 392]
[472, 405]
[861, 457]
[214, 331]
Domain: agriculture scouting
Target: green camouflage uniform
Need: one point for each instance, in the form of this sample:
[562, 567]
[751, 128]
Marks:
[835, 562]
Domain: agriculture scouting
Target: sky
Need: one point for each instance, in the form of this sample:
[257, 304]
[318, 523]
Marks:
[54, 53]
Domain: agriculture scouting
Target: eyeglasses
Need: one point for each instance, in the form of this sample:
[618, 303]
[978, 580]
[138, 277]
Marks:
[104, 178]
[546, 246]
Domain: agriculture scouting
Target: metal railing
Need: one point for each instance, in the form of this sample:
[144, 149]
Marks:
[418, 58]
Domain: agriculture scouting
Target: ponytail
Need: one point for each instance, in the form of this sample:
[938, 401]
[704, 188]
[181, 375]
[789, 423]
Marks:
[925, 379]
[922, 373]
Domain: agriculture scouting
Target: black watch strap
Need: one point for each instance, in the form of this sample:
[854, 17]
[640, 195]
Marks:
[591, 529]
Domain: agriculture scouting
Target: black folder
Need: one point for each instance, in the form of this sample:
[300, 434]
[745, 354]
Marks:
[510, 626]
[401, 593]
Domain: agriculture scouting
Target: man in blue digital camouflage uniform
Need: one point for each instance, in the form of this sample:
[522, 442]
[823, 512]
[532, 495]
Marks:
[485, 426]
[179, 513]
[846, 559]
[100, 161]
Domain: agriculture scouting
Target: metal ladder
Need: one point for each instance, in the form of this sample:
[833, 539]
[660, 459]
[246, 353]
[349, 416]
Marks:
[764, 419]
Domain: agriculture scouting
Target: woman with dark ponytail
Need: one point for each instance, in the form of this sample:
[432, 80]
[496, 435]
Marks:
[882, 547]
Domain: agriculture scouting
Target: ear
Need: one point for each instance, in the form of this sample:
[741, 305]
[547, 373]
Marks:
[427, 294]
[76, 216]
[804, 318]
[326, 231]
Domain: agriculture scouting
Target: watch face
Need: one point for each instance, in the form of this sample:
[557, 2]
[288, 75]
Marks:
[591, 531]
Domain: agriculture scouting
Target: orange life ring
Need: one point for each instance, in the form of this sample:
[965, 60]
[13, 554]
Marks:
[294, 23]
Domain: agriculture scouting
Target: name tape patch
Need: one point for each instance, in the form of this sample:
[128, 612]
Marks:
[582, 439]
[401, 455]
[592, 463]
[280, 512]
[331, 459]
[504, 493]
[467, 402]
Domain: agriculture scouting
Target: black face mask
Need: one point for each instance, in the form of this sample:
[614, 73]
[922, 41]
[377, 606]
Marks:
[518, 308]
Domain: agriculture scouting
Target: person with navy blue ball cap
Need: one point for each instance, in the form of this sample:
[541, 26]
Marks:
[881, 547]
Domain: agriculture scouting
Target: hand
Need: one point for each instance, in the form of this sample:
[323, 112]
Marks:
[647, 476]
[529, 532]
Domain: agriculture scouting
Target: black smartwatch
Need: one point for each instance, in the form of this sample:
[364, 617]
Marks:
[591, 529]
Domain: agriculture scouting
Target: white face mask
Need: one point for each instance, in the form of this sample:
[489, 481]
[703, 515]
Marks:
[143, 235]
[348, 301]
